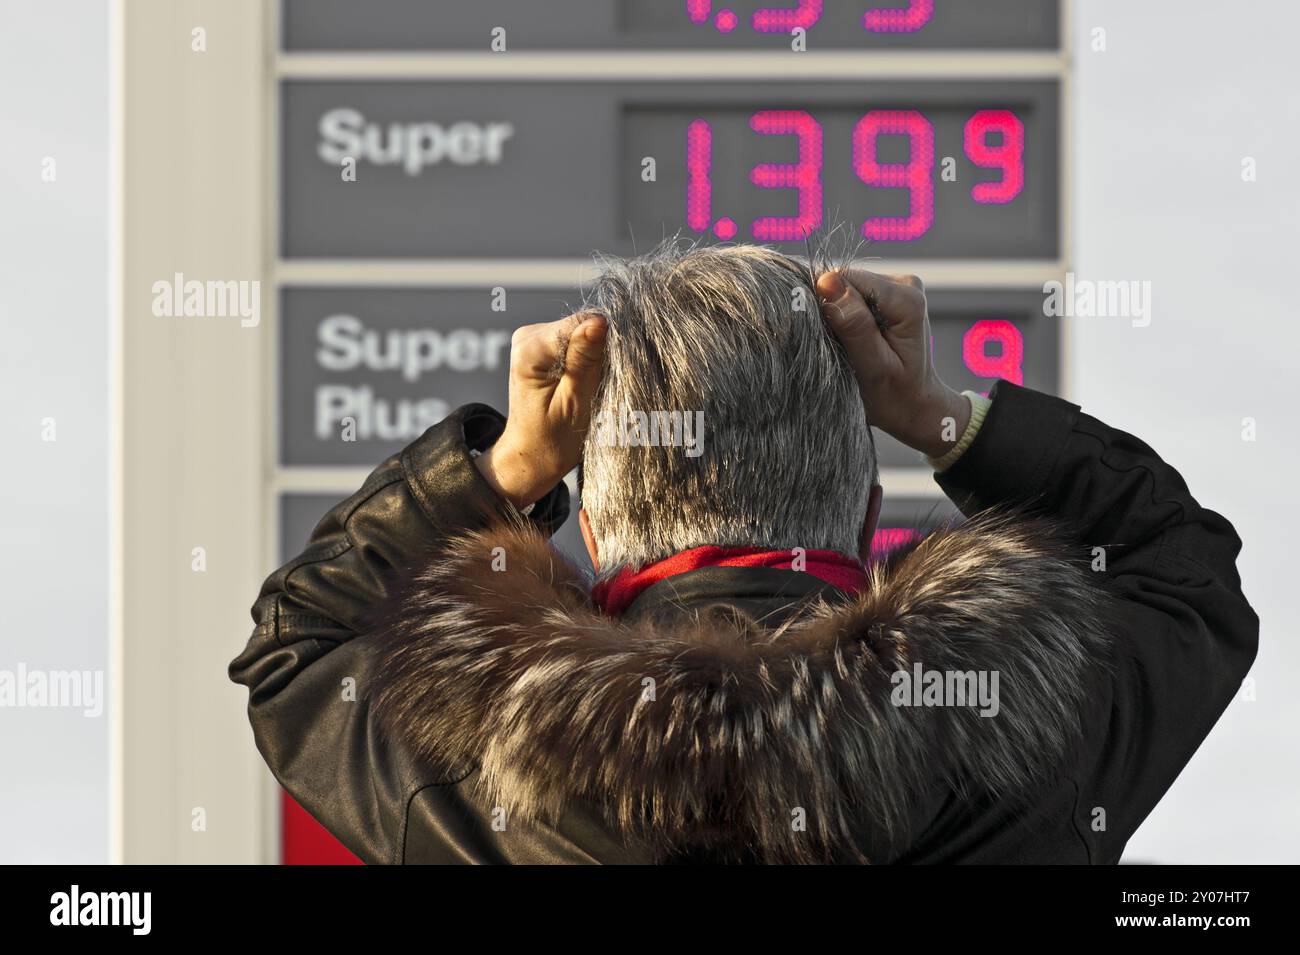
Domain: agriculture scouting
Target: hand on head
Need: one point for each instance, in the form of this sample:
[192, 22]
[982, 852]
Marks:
[884, 325]
[554, 370]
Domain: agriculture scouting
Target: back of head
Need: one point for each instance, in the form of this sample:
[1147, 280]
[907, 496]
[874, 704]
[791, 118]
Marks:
[728, 340]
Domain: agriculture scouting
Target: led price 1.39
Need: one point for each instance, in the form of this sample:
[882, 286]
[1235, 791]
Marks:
[991, 139]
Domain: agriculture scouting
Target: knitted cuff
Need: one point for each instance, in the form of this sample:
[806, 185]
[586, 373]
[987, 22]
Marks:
[979, 407]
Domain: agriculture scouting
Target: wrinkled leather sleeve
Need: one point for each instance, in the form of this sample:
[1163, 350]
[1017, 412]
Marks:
[306, 665]
[1184, 635]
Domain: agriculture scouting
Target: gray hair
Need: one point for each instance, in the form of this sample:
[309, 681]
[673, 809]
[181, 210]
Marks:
[733, 337]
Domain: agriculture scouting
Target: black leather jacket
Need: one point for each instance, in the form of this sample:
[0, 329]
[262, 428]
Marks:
[1111, 678]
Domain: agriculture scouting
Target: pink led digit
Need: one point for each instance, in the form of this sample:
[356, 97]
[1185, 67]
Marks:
[1006, 364]
[782, 20]
[906, 19]
[887, 539]
[699, 10]
[805, 175]
[1008, 155]
[916, 175]
[699, 186]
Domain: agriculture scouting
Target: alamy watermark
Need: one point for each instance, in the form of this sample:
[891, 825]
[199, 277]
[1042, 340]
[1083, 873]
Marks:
[53, 689]
[652, 429]
[921, 687]
[190, 298]
[133, 910]
[1086, 298]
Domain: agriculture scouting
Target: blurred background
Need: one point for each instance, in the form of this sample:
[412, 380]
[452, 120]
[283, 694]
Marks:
[249, 248]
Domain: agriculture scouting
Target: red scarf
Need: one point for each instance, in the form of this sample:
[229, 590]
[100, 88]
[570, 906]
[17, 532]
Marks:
[616, 594]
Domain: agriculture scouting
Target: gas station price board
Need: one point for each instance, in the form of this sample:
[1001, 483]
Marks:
[432, 157]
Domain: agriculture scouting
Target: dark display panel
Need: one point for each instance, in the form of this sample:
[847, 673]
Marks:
[396, 361]
[545, 170]
[669, 24]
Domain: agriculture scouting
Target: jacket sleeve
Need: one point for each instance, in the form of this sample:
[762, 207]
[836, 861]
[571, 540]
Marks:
[307, 664]
[1183, 636]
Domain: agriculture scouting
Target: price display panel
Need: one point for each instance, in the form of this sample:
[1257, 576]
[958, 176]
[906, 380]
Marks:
[440, 169]
[668, 24]
[364, 371]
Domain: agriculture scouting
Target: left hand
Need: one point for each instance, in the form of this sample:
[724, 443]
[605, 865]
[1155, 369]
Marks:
[554, 370]
[883, 322]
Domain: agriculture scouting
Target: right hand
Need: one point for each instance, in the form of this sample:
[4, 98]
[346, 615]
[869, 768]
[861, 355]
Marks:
[555, 368]
[888, 345]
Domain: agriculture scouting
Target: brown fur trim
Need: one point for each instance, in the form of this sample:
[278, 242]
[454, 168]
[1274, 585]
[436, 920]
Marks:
[516, 671]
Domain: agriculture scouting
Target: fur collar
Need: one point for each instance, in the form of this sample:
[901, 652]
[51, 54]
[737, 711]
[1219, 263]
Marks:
[714, 731]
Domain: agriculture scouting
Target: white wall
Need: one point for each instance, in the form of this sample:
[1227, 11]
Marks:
[1163, 118]
[54, 294]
